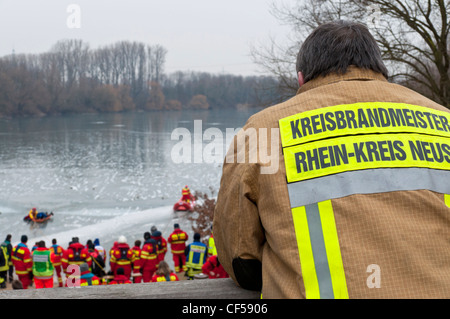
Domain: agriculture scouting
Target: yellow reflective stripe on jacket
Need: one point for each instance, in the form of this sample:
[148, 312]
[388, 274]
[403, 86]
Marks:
[178, 242]
[5, 256]
[148, 256]
[22, 272]
[319, 251]
[447, 199]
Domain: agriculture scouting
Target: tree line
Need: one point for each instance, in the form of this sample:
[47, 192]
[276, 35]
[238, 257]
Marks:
[124, 76]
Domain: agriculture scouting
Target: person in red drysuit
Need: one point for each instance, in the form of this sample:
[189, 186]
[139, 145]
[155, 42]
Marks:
[164, 273]
[122, 257]
[56, 256]
[137, 262]
[23, 264]
[177, 241]
[186, 195]
[149, 257]
[213, 268]
[87, 278]
[162, 244]
[120, 278]
[75, 254]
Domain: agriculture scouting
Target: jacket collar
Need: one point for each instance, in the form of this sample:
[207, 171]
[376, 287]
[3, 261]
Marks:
[353, 73]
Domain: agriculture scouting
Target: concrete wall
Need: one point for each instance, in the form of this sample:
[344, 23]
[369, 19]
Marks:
[185, 289]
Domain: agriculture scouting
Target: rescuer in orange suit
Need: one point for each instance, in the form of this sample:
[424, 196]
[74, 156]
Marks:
[120, 278]
[137, 262]
[186, 195]
[164, 273]
[149, 257]
[162, 244]
[87, 278]
[177, 241]
[33, 214]
[122, 257]
[213, 268]
[56, 256]
[23, 264]
[111, 251]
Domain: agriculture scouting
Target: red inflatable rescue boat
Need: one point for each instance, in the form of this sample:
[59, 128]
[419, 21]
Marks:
[184, 206]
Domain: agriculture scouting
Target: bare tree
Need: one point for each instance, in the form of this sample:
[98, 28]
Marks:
[203, 218]
[73, 60]
[156, 58]
[413, 36]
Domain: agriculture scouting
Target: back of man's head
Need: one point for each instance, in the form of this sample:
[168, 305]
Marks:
[333, 47]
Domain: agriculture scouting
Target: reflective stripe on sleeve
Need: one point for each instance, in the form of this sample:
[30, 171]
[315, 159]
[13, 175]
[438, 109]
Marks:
[319, 250]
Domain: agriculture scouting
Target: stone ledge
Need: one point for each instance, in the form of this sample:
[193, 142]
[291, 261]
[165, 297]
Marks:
[185, 289]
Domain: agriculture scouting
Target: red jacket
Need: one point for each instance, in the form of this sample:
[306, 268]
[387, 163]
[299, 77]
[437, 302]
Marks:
[159, 278]
[137, 261]
[122, 257]
[149, 255]
[75, 254]
[120, 279]
[56, 255]
[162, 245]
[177, 241]
[21, 258]
[89, 279]
[213, 268]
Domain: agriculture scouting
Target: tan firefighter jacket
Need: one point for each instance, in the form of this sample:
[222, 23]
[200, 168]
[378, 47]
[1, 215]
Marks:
[340, 192]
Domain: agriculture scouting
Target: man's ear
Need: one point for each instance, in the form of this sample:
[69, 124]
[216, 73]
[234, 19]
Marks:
[301, 79]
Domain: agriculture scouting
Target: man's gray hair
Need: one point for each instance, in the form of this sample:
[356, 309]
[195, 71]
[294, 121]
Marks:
[334, 46]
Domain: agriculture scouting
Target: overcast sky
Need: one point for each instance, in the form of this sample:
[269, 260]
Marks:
[200, 35]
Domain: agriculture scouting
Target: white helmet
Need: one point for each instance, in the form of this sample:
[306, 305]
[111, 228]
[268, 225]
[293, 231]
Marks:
[122, 240]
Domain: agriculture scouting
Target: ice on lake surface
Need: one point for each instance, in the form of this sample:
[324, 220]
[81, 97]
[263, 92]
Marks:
[103, 175]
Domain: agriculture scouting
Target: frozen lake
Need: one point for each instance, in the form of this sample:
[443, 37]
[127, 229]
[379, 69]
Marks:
[103, 175]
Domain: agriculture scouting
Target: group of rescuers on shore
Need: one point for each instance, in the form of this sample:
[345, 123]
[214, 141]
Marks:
[84, 265]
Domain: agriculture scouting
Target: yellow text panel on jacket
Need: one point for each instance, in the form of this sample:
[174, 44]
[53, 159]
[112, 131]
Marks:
[362, 118]
[331, 156]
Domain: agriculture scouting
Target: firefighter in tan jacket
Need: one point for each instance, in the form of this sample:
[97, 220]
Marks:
[344, 189]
